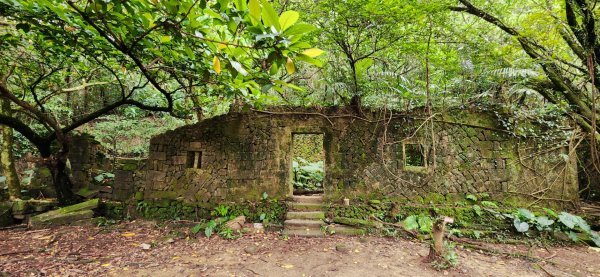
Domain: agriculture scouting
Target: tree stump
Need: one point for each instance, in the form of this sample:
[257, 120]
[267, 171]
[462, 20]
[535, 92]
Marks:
[437, 249]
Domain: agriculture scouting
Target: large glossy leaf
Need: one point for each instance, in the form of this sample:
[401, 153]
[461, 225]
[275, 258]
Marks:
[300, 28]
[521, 226]
[287, 19]
[238, 67]
[313, 52]
[217, 65]
[269, 16]
[289, 66]
[568, 219]
[410, 223]
[255, 10]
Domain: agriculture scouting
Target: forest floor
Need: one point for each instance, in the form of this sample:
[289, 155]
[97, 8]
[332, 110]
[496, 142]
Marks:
[118, 250]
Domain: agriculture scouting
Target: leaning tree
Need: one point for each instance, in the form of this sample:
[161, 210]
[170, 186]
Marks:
[570, 65]
[59, 56]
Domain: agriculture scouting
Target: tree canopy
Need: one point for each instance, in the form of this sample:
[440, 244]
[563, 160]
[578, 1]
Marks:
[66, 63]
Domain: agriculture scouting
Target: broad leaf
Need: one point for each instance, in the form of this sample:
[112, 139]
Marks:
[287, 19]
[521, 227]
[269, 16]
[238, 67]
[289, 66]
[568, 219]
[525, 214]
[313, 52]
[217, 65]
[298, 29]
[544, 221]
[255, 10]
[410, 223]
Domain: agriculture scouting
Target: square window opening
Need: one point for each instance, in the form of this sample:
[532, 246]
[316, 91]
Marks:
[194, 159]
[414, 155]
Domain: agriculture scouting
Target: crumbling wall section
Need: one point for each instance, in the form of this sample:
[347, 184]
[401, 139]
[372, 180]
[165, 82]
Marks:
[240, 156]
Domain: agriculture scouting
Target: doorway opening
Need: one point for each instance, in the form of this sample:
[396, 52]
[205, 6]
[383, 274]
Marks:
[308, 164]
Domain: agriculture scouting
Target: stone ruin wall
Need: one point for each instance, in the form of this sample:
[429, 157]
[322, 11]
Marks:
[244, 155]
[87, 159]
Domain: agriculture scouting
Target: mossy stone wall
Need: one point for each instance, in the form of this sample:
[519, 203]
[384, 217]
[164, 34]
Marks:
[247, 154]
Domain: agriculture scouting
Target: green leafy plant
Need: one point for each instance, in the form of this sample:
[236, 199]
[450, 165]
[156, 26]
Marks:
[104, 177]
[569, 224]
[450, 258]
[227, 233]
[221, 211]
[423, 223]
[308, 175]
[209, 229]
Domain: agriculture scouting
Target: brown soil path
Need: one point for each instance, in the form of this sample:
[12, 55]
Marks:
[117, 251]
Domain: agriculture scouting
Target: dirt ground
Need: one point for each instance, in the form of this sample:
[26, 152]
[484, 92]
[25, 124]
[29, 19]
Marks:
[118, 250]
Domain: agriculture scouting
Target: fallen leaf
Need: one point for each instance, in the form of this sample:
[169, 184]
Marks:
[128, 234]
[287, 266]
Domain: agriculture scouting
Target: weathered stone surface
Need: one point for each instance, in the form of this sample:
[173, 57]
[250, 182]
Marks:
[357, 222]
[6, 218]
[65, 215]
[244, 155]
[236, 224]
[54, 219]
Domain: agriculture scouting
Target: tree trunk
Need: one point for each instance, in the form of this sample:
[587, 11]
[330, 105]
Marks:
[437, 249]
[57, 164]
[7, 159]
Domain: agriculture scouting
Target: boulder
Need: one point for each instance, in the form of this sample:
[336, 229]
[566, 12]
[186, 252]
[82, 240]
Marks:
[65, 215]
[236, 224]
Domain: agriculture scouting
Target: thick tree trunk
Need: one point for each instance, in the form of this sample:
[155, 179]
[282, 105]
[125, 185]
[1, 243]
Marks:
[57, 164]
[7, 159]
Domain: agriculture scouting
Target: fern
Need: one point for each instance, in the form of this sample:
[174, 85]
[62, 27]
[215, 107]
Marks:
[512, 73]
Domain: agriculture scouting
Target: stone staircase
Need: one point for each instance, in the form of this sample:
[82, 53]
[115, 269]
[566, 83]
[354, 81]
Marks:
[305, 216]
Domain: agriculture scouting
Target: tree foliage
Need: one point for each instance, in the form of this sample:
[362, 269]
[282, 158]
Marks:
[66, 63]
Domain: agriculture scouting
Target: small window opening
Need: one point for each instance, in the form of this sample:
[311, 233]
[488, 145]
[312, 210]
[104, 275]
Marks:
[414, 155]
[194, 159]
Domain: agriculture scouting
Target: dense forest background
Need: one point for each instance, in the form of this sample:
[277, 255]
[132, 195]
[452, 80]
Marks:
[125, 71]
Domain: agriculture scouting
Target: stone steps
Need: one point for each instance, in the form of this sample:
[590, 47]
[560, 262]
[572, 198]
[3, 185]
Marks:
[303, 224]
[305, 219]
[304, 233]
[314, 199]
[305, 207]
[305, 215]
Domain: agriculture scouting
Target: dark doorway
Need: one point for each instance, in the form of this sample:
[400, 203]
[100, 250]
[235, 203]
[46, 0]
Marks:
[308, 164]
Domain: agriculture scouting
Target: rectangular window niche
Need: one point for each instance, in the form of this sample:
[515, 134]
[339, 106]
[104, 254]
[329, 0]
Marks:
[414, 158]
[194, 159]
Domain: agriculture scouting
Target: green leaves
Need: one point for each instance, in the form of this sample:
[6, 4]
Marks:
[573, 221]
[313, 52]
[567, 223]
[289, 66]
[299, 29]
[217, 65]
[521, 226]
[421, 222]
[288, 19]
[269, 16]
[255, 10]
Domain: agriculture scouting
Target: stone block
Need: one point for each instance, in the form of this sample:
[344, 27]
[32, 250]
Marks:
[159, 156]
[179, 160]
